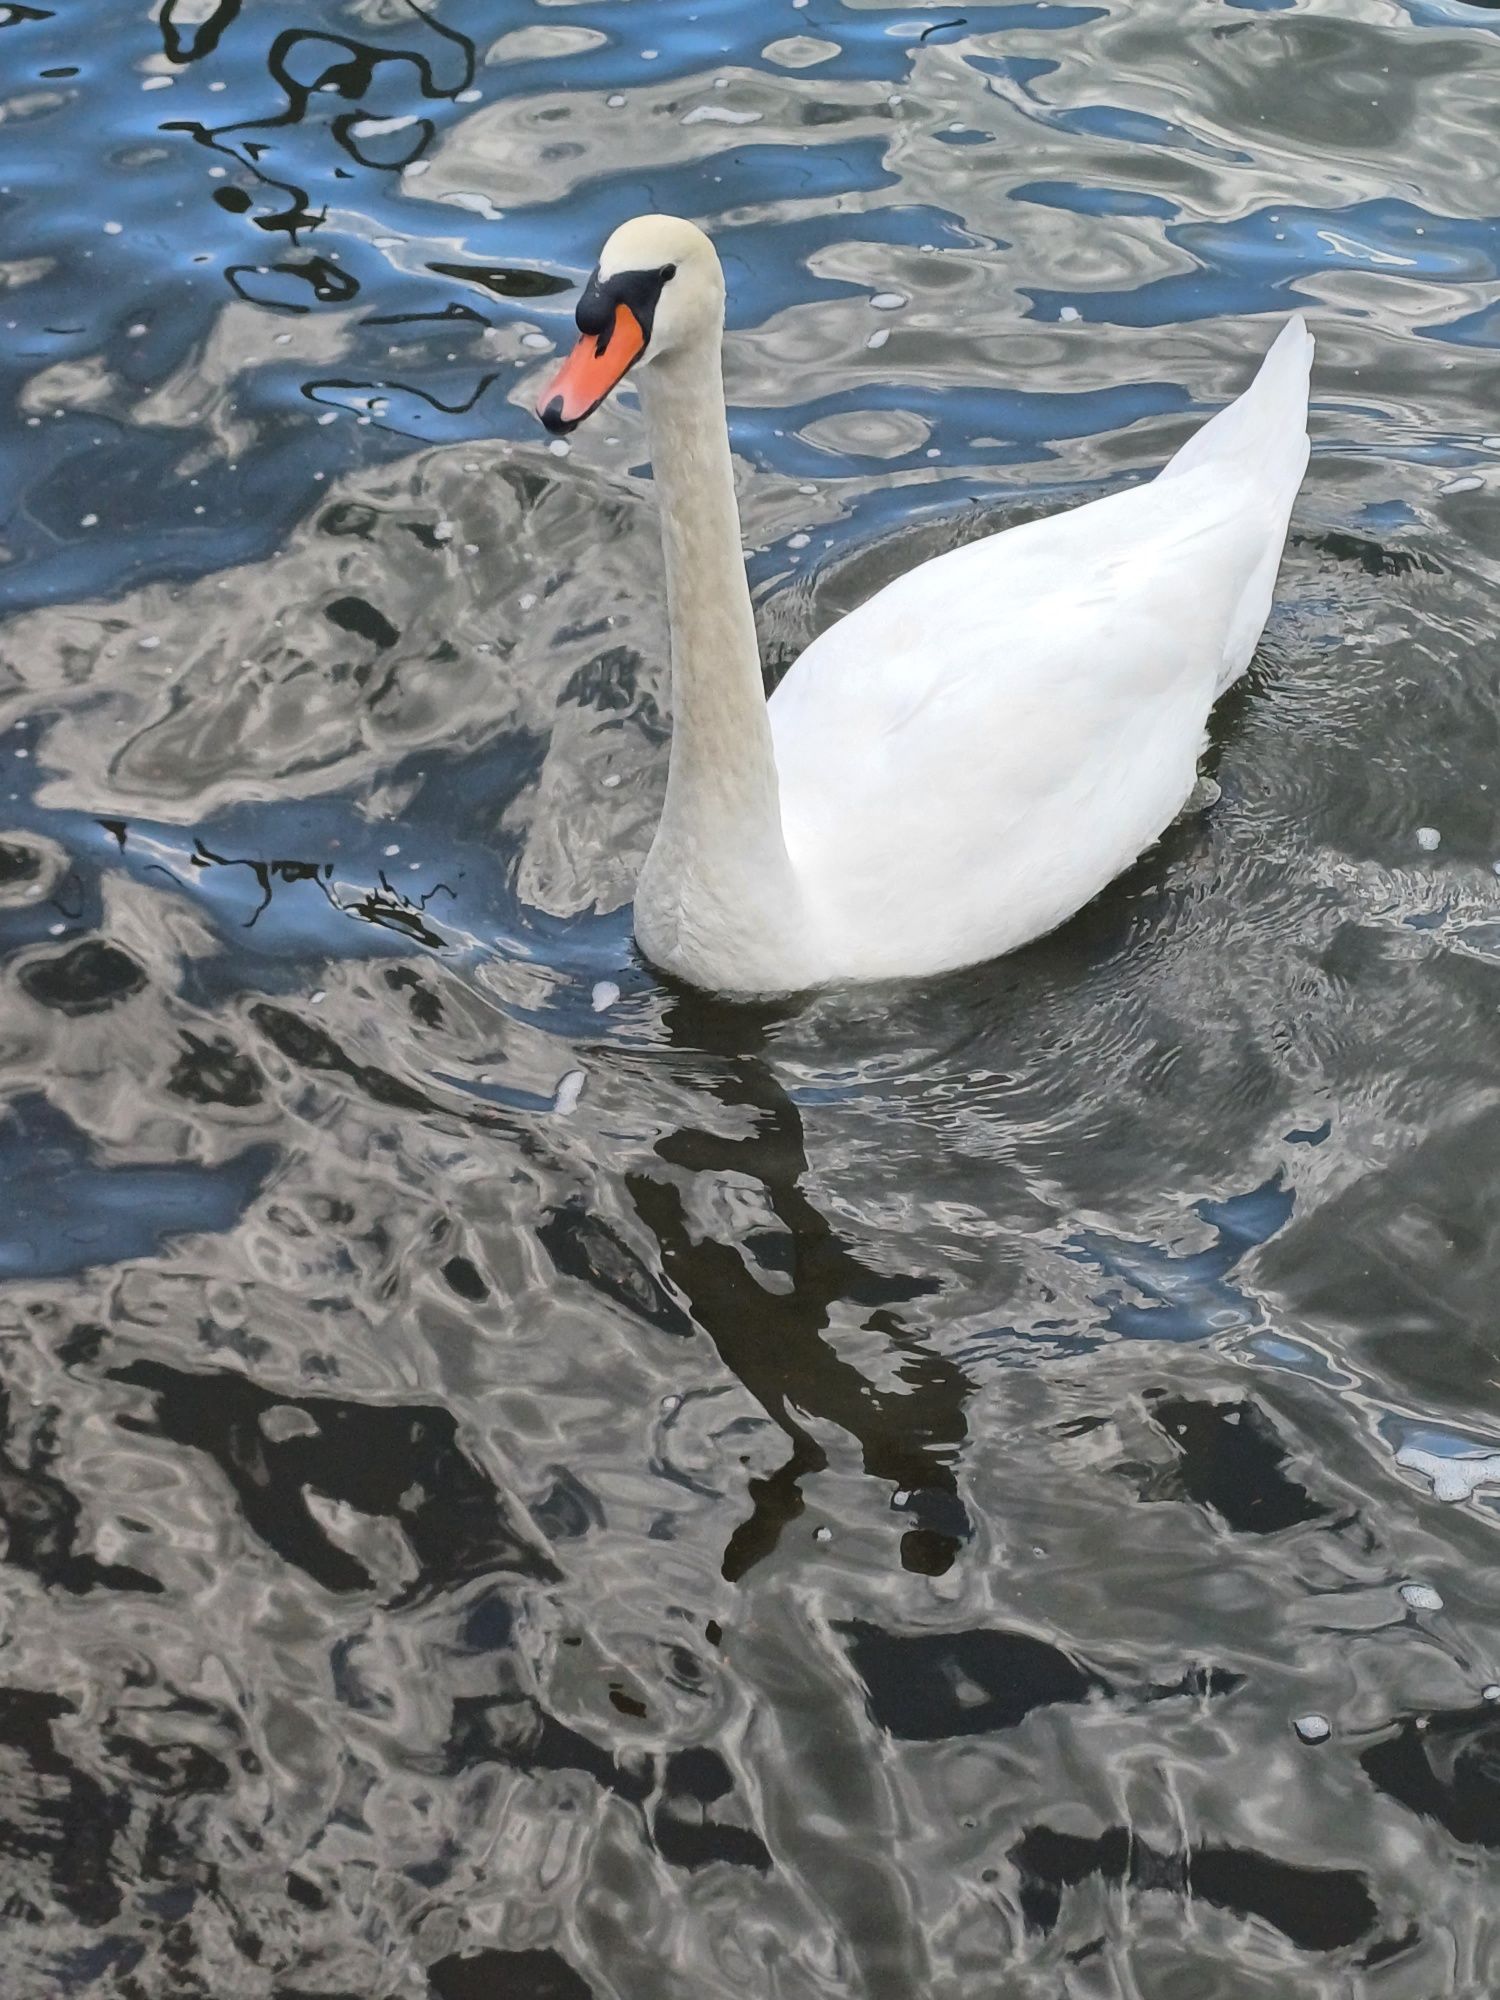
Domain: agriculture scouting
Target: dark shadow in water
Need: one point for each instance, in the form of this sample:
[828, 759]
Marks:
[517, 1731]
[403, 1463]
[1317, 1909]
[1445, 1767]
[773, 1341]
[927, 1686]
[1229, 1459]
[519, 1975]
[55, 1811]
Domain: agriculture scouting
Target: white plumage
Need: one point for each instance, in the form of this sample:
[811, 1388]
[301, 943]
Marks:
[964, 761]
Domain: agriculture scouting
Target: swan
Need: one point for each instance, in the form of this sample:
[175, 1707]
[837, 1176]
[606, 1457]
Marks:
[966, 759]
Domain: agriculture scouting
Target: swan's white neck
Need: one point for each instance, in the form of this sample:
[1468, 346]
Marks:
[718, 899]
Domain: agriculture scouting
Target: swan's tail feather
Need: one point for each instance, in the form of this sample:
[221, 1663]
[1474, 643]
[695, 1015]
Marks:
[1266, 427]
[1258, 446]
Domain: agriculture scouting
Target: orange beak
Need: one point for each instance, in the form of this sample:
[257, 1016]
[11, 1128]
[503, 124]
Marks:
[596, 364]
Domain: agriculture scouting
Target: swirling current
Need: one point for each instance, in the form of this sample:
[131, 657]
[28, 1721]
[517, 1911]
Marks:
[521, 1480]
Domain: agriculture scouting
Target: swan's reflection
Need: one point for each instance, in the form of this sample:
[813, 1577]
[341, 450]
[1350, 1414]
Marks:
[775, 1340]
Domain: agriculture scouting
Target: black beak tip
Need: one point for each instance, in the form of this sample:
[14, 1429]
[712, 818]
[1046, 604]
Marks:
[553, 419]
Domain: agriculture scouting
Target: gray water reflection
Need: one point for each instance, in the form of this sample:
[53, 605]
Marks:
[519, 1479]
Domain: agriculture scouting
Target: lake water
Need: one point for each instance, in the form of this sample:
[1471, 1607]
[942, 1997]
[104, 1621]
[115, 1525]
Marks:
[525, 1482]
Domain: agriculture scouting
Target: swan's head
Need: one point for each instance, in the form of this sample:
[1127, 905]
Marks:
[656, 289]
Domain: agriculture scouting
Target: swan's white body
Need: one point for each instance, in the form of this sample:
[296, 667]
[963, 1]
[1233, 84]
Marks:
[964, 761]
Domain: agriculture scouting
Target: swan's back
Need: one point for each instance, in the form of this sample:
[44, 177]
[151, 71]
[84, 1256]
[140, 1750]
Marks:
[971, 755]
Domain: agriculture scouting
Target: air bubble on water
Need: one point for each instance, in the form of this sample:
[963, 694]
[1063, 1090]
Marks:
[527, 600]
[614, 102]
[900, 1498]
[569, 1090]
[798, 541]
[394, 848]
[559, 447]
[1421, 1597]
[1492, 1692]
[1469, 482]
[822, 1534]
[888, 301]
[604, 996]
[317, 999]
[151, 639]
[443, 532]
[879, 338]
[328, 417]
[1313, 1728]
[89, 521]
[1428, 838]
[113, 228]
[1069, 313]
[671, 1403]
[538, 341]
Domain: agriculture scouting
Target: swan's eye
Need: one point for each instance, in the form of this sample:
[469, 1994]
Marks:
[667, 271]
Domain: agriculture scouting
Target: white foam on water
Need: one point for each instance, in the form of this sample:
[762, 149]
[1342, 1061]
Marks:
[1421, 1597]
[1452, 1478]
[569, 1090]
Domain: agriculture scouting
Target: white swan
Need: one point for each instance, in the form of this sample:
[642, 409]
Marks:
[965, 760]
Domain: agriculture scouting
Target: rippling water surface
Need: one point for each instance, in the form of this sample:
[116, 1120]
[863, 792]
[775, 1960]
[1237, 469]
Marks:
[520, 1481]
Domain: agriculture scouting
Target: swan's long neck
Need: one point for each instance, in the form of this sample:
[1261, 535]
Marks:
[718, 876]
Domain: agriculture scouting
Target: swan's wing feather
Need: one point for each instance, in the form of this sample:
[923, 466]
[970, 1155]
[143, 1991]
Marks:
[1193, 545]
[993, 736]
